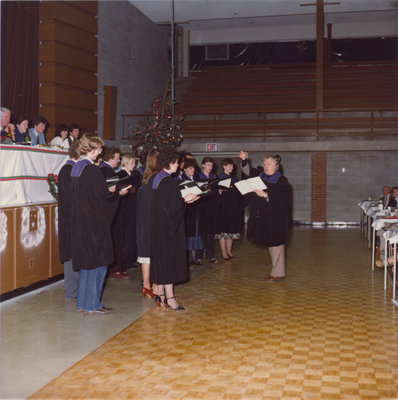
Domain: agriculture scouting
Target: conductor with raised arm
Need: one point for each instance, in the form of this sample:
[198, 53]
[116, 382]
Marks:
[269, 219]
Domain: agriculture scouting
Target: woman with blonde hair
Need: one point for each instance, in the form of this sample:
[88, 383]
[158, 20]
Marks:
[93, 209]
[127, 212]
[143, 225]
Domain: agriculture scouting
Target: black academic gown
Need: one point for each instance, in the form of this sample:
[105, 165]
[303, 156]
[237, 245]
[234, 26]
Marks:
[93, 210]
[269, 220]
[230, 217]
[168, 261]
[117, 226]
[127, 215]
[209, 209]
[64, 211]
[191, 215]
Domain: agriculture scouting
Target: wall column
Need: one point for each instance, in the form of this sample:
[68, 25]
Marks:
[318, 186]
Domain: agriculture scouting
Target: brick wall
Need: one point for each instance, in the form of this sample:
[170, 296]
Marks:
[318, 186]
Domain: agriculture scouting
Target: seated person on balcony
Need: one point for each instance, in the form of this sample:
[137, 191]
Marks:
[393, 202]
[7, 129]
[21, 130]
[61, 137]
[37, 132]
[74, 133]
[385, 197]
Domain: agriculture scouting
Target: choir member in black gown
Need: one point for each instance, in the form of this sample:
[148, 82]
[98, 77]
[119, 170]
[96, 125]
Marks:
[71, 276]
[168, 264]
[110, 161]
[230, 220]
[269, 218]
[193, 241]
[209, 210]
[127, 212]
[143, 227]
[93, 209]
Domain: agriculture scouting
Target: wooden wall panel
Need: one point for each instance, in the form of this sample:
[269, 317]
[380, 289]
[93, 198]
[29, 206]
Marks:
[66, 95]
[7, 259]
[56, 30]
[88, 6]
[68, 55]
[62, 114]
[68, 63]
[52, 10]
[53, 72]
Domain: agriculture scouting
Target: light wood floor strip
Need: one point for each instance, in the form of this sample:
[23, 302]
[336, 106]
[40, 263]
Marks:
[328, 332]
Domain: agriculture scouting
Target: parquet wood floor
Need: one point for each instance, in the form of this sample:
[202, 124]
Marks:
[328, 332]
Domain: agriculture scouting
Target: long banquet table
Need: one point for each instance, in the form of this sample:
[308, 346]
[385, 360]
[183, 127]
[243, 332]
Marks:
[28, 217]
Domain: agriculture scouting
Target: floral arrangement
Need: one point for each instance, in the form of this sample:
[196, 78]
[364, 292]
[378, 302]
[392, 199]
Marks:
[53, 185]
[165, 130]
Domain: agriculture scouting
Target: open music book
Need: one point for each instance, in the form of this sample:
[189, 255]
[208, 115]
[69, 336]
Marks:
[249, 185]
[119, 182]
[202, 188]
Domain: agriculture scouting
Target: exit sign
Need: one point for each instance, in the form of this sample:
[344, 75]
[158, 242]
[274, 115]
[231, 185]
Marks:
[211, 146]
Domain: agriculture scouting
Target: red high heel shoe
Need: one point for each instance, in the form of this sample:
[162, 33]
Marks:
[147, 292]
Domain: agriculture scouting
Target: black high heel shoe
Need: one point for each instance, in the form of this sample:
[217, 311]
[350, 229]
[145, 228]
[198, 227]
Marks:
[159, 301]
[178, 308]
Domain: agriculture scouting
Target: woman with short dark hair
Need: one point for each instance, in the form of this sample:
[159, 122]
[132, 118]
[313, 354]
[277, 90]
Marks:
[168, 263]
[21, 129]
[61, 137]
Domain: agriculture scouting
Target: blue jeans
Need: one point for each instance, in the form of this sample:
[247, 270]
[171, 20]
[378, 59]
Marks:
[89, 288]
[71, 279]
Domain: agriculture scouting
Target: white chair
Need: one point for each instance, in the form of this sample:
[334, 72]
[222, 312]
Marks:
[380, 219]
[391, 237]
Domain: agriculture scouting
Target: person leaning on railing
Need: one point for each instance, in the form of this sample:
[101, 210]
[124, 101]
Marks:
[7, 129]
[37, 132]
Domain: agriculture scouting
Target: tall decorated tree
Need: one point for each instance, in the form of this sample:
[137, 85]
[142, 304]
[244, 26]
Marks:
[163, 131]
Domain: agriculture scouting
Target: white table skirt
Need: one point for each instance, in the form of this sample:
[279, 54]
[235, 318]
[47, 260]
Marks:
[24, 171]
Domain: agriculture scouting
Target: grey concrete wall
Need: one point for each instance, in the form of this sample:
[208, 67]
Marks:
[133, 56]
[352, 175]
[355, 176]
[297, 169]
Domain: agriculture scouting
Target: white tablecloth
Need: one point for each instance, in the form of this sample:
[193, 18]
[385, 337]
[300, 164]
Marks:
[381, 222]
[24, 171]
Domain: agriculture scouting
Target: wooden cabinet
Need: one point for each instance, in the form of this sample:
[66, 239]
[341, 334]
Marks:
[7, 251]
[29, 245]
